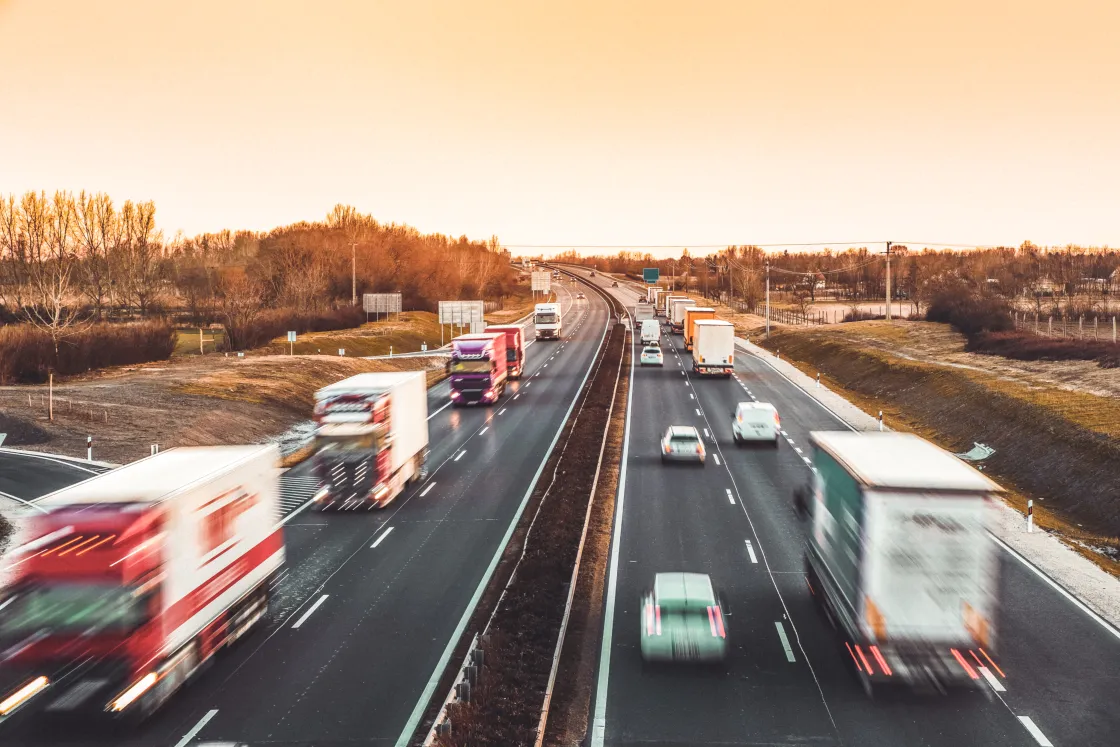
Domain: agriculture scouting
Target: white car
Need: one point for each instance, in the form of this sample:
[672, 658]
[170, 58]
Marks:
[652, 356]
[683, 443]
[756, 421]
[579, 295]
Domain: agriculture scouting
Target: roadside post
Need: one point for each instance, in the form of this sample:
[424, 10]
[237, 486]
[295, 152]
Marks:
[89, 448]
[342, 351]
[291, 342]
[818, 381]
[1030, 515]
[880, 420]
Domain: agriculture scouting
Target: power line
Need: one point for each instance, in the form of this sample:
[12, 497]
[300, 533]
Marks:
[685, 246]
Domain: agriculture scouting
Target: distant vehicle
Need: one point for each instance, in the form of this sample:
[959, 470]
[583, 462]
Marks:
[651, 356]
[899, 560]
[580, 295]
[592, 273]
[682, 443]
[682, 620]
[515, 348]
[642, 312]
[371, 438]
[547, 321]
[693, 314]
[479, 368]
[756, 421]
[652, 293]
[131, 580]
[713, 348]
[651, 331]
[677, 305]
[614, 284]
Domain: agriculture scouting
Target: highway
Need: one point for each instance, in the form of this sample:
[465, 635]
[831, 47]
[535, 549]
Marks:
[370, 604]
[787, 680]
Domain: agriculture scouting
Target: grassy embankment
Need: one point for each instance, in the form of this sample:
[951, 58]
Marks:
[1054, 443]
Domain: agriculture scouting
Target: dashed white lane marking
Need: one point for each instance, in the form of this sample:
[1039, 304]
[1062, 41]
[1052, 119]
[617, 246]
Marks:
[697, 410]
[484, 429]
[545, 366]
[1035, 731]
[501, 411]
[716, 457]
[517, 395]
[427, 490]
[307, 614]
[459, 455]
[798, 449]
[785, 434]
[528, 384]
[785, 641]
[196, 729]
[750, 551]
[686, 383]
[731, 498]
[381, 539]
[691, 396]
[706, 434]
[992, 680]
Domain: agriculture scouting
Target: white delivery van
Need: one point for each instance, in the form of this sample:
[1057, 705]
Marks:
[758, 422]
[651, 332]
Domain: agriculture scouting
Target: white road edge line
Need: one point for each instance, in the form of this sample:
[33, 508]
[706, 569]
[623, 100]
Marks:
[991, 678]
[433, 681]
[750, 551]
[599, 720]
[196, 728]
[437, 412]
[428, 489]
[311, 609]
[380, 539]
[1035, 731]
[785, 641]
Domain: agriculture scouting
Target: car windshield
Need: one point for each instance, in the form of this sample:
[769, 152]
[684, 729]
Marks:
[71, 607]
[482, 366]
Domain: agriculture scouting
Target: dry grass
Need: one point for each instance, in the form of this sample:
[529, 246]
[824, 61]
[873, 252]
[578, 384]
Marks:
[186, 341]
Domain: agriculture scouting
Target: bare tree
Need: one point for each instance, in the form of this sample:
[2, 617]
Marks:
[53, 262]
[13, 254]
[94, 225]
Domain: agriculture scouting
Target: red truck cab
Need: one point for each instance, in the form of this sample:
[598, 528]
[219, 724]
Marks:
[515, 348]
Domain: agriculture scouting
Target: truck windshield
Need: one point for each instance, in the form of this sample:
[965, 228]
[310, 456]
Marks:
[548, 318]
[470, 367]
[72, 608]
[362, 442]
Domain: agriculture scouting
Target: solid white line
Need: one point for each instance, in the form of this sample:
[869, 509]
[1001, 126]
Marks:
[716, 457]
[384, 534]
[750, 551]
[484, 429]
[1035, 731]
[196, 729]
[426, 490]
[459, 455]
[307, 614]
[785, 641]
[296, 513]
[992, 680]
[599, 721]
[437, 412]
[64, 461]
[731, 499]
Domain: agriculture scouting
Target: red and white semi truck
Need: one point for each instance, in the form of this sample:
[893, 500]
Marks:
[371, 438]
[515, 348]
[134, 578]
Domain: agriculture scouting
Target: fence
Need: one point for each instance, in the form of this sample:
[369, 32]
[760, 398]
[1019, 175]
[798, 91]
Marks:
[1049, 325]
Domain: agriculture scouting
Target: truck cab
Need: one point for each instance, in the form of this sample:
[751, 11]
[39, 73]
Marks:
[478, 368]
[547, 321]
[515, 347]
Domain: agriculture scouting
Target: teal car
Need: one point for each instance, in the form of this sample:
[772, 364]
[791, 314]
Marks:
[683, 620]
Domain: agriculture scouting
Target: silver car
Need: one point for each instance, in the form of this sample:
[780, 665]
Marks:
[652, 356]
[682, 443]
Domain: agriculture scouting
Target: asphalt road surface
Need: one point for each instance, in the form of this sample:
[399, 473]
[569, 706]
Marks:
[371, 601]
[788, 680]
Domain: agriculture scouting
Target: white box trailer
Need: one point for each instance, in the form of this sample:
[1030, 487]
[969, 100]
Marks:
[899, 556]
[664, 301]
[133, 578]
[713, 348]
[677, 305]
[371, 438]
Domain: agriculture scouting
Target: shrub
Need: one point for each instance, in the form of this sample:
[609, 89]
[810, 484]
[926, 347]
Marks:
[27, 354]
[271, 324]
[860, 315]
[970, 311]
[1025, 346]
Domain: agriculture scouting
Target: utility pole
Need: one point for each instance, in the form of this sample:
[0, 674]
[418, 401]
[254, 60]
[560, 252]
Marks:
[888, 281]
[768, 299]
[353, 273]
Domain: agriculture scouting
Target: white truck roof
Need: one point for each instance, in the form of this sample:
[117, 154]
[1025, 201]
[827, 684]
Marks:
[712, 322]
[368, 382]
[155, 478]
[902, 461]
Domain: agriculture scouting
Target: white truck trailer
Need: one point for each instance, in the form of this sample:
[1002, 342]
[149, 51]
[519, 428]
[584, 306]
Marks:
[713, 348]
[371, 438]
[677, 305]
[548, 321]
[899, 559]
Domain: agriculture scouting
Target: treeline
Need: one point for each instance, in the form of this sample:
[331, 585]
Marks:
[68, 261]
[1071, 278]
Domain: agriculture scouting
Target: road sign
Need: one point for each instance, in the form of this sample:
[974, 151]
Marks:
[462, 313]
[542, 281]
[651, 275]
[291, 336]
[381, 303]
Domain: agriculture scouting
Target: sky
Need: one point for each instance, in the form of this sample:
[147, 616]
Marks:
[580, 123]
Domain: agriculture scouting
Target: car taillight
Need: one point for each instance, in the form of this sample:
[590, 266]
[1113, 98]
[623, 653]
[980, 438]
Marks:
[715, 622]
[777, 420]
[667, 448]
[653, 619]
[700, 449]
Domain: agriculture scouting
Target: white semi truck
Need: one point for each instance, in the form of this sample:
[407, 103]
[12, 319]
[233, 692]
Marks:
[547, 320]
[371, 438]
[899, 559]
[713, 348]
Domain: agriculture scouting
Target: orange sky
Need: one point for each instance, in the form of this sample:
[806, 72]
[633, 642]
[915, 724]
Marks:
[969, 121]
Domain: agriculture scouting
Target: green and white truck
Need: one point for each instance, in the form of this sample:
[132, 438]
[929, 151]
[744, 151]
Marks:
[899, 559]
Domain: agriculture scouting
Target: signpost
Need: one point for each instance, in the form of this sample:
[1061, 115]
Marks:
[381, 303]
[651, 275]
[291, 341]
[541, 281]
[462, 313]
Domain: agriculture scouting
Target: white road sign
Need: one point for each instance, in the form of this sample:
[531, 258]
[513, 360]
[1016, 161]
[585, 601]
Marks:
[542, 281]
[381, 303]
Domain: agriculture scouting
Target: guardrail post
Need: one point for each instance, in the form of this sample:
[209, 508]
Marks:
[89, 448]
[1030, 515]
[880, 420]
[818, 381]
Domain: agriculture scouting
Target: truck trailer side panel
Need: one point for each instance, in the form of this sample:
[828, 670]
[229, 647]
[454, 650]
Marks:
[409, 413]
